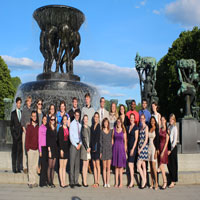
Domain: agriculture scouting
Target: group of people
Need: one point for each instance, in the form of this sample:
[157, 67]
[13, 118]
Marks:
[117, 138]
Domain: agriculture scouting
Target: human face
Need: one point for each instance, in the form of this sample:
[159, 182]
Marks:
[85, 120]
[87, 100]
[76, 115]
[142, 119]
[171, 121]
[28, 103]
[52, 110]
[163, 121]
[34, 117]
[102, 103]
[106, 124]
[39, 105]
[144, 105]
[75, 103]
[122, 110]
[62, 107]
[119, 123]
[65, 121]
[133, 106]
[96, 118]
[44, 120]
[132, 119]
[53, 120]
[153, 122]
[18, 104]
[113, 108]
[154, 107]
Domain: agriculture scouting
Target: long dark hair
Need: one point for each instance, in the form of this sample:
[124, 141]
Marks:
[103, 126]
[119, 113]
[156, 124]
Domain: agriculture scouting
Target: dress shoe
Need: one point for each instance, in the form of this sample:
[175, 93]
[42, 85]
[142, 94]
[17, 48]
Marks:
[72, 186]
[14, 171]
[19, 171]
[25, 171]
[78, 185]
[30, 186]
[52, 185]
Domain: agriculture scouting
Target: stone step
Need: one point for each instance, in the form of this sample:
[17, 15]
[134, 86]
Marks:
[184, 178]
[186, 162]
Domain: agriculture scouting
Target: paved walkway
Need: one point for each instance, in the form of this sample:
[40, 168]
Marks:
[21, 191]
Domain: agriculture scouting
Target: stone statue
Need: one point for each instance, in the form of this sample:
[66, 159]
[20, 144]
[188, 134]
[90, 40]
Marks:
[59, 39]
[189, 79]
[146, 68]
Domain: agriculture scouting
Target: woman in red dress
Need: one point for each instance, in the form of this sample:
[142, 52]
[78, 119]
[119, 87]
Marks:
[163, 150]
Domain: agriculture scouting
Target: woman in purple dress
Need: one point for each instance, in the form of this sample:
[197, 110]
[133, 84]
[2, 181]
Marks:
[119, 143]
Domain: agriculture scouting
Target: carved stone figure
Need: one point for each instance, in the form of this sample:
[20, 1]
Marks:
[59, 38]
[189, 79]
[146, 68]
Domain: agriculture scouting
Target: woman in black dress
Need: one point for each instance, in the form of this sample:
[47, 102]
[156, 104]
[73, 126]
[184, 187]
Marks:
[63, 135]
[51, 144]
[132, 136]
[95, 148]
[122, 115]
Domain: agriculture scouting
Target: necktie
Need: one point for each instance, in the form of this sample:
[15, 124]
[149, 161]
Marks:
[101, 114]
[78, 131]
[19, 114]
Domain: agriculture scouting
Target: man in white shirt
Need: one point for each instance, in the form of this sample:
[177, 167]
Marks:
[103, 113]
[75, 139]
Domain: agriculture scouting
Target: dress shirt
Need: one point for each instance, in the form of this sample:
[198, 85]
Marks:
[147, 115]
[42, 137]
[173, 136]
[75, 133]
[18, 114]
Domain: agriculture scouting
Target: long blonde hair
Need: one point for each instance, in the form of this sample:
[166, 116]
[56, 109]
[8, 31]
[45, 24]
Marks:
[116, 113]
[122, 124]
[173, 117]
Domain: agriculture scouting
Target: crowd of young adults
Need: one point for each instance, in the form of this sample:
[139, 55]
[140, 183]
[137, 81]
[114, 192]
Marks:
[45, 141]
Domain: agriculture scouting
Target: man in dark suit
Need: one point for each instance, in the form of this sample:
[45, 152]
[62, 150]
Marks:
[75, 107]
[16, 131]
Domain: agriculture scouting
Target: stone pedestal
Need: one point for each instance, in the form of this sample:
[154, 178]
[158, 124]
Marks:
[190, 135]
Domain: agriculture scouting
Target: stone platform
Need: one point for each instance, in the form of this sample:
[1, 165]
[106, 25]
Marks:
[188, 165]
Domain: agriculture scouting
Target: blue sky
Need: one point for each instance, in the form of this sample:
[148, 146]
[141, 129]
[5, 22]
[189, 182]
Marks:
[113, 32]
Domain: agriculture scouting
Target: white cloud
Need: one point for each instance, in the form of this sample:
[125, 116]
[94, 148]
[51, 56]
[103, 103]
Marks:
[142, 3]
[156, 12]
[20, 62]
[90, 71]
[184, 12]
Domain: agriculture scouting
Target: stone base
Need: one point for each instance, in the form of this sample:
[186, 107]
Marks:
[190, 135]
[53, 91]
[58, 76]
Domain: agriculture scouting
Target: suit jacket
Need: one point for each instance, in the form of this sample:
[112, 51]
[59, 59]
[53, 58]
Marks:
[105, 115]
[15, 126]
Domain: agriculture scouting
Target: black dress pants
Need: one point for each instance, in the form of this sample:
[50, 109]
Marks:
[44, 167]
[16, 154]
[173, 165]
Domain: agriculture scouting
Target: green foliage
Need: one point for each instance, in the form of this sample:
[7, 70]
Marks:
[16, 81]
[187, 46]
[6, 88]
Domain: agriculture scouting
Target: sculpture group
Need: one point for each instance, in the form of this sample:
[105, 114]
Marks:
[146, 68]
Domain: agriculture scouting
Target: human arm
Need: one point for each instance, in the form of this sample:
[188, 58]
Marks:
[135, 142]
[175, 135]
[125, 141]
[27, 140]
[165, 146]
[84, 138]
[113, 137]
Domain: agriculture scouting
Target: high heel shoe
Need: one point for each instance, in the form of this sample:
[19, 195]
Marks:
[142, 187]
[164, 186]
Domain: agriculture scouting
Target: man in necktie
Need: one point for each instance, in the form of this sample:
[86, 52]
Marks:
[103, 113]
[16, 131]
[75, 138]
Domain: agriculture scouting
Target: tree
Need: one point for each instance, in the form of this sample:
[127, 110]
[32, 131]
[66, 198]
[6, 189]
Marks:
[6, 88]
[16, 81]
[187, 46]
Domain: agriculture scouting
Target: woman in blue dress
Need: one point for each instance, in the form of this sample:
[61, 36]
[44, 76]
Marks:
[60, 114]
[143, 150]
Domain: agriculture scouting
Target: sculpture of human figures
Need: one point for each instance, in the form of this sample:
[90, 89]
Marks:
[146, 68]
[48, 47]
[189, 80]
